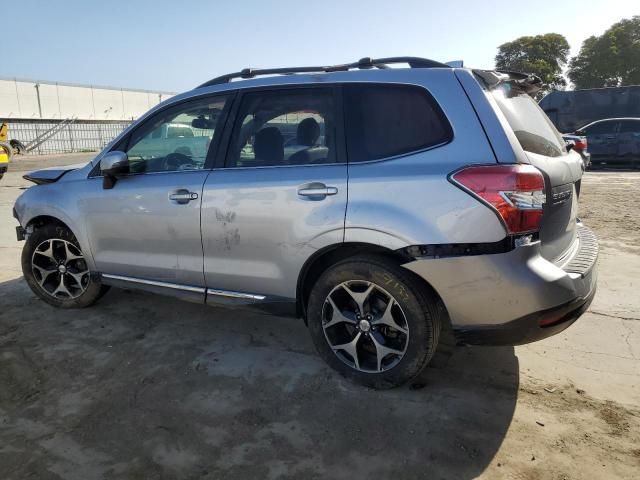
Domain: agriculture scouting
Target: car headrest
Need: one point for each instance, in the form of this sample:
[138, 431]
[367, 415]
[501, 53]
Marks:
[308, 132]
[268, 146]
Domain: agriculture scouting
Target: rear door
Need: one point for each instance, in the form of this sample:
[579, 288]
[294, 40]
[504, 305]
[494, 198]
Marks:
[629, 143]
[602, 139]
[545, 149]
[281, 195]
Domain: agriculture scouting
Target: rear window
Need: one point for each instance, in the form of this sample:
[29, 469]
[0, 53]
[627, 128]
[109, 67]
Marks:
[532, 127]
[387, 120]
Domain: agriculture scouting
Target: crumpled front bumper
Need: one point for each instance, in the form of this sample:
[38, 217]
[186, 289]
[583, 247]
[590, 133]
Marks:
[515, 297]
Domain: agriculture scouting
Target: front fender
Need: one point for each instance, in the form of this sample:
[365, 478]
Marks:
[56, 200]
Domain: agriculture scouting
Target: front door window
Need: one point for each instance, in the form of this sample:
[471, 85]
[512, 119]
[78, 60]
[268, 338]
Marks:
[177, 139]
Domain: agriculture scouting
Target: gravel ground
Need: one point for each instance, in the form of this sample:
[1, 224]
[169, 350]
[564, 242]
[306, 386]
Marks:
[146, 387]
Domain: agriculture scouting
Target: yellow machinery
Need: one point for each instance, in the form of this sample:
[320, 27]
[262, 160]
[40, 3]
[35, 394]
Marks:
[5, 149]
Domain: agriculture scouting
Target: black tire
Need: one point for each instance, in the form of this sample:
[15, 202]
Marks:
[18, 146]
[93, 289]
[419, 309]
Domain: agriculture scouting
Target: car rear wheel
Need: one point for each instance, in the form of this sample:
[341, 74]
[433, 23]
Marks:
[56, 271]
[373, 322]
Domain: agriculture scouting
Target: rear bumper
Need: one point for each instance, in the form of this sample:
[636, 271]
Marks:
[514, 297]
[528, 328]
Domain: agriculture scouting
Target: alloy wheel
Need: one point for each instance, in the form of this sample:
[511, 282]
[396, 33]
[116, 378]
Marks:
[365, 326]
[60, 269]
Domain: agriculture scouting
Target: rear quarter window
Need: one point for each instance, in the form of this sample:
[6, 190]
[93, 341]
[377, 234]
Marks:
[387, 120]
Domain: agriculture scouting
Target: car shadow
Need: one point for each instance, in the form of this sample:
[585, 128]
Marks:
[146, 386]
[612, 169]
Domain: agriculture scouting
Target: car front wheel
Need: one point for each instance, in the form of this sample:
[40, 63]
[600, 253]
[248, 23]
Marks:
[56, 270]
[373, 322]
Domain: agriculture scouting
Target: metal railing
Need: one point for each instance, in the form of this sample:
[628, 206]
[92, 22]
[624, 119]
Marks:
[63, 136]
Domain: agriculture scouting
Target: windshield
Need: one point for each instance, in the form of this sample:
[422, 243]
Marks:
[532, 127]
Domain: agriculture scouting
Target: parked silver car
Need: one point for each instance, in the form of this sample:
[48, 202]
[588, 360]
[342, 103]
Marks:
[416, 199]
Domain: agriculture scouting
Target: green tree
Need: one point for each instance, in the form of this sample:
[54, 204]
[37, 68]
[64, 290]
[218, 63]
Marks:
[610, 60]
[543, 55]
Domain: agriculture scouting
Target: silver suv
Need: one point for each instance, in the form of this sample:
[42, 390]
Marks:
[381, 205]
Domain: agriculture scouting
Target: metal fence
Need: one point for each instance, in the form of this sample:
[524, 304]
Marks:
[76, 136]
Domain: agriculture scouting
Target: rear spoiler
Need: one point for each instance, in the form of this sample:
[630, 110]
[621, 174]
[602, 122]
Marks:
[525, 82]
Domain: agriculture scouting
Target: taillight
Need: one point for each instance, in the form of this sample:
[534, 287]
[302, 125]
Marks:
[515, 192]
[580, 145]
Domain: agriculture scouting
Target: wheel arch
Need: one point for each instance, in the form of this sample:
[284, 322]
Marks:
[328, 256]
[41, 220]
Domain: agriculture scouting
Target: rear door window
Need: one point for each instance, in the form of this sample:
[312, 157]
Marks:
[387, 120]
[529, 123]
[294, 126]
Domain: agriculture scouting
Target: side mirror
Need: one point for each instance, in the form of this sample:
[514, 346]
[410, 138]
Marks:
[580, 133]
[112, 165]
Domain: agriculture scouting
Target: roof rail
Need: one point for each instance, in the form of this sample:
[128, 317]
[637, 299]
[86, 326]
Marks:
[363, 64]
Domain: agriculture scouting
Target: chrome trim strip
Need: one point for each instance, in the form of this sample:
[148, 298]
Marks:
[257, 167]
[163, 172]
[154, 283]
[245, 296]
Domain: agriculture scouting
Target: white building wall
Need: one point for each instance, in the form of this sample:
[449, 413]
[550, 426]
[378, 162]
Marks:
[9, 99]
[76, 102]
[28, 100]
[19, 99]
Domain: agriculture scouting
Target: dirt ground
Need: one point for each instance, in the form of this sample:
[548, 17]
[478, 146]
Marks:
[146, 387]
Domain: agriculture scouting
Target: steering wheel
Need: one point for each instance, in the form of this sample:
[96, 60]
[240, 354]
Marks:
[177, 161]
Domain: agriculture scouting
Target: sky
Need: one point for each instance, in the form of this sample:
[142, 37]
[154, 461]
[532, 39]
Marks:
[176, 45]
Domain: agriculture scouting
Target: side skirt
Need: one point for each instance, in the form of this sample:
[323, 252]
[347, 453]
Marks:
[183, 292]
[272, 305]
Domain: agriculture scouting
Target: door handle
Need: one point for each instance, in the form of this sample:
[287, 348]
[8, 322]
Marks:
[182, 196]
[317, 190]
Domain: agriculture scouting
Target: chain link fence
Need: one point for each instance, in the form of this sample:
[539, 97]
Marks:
[76, 136]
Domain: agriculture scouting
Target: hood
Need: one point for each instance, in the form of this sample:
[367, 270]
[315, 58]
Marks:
[51, 174]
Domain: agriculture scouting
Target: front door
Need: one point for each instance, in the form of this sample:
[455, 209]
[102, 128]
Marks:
[148, 225]
[281, 197]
